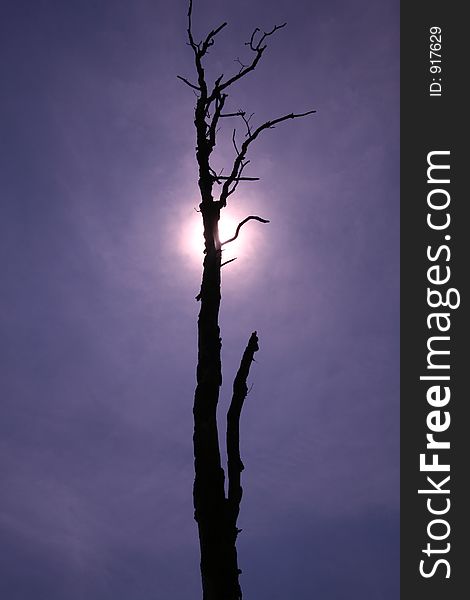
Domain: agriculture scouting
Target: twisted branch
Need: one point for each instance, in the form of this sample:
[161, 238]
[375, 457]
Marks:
[240, 225]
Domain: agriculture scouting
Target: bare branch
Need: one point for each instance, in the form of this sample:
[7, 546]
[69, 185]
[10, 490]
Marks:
[201, 48]
[266, 34]
[197, 57]
[234, 142]
[241, 178]
[207, 125]
[238, 178]
[244, 149]
[239, 113]
[214, 175]
[190, 34]
[258, 49]
[234, 463]
[191, 85]
[242, 114]
[240, 225]
[247, 123]
[210, 38]
[228, 261]
[250, 43]
[242, 65]
[219, 104]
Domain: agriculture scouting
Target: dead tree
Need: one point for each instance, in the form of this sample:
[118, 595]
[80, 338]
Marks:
[216, 511]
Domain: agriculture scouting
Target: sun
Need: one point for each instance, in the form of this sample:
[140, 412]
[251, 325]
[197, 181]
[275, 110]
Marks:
[193, 239]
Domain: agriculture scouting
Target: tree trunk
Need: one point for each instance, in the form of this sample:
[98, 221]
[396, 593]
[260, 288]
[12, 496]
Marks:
[215, 514]
[209, 494]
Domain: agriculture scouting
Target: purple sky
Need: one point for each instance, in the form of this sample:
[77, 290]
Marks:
[98, 317]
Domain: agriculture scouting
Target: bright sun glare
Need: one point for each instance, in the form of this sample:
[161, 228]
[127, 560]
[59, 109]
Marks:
[194, 240]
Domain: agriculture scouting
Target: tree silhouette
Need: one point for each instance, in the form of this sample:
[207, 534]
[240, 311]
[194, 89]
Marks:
[216, 512]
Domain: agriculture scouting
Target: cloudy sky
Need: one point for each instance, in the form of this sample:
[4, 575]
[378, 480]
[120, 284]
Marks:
[101, 263]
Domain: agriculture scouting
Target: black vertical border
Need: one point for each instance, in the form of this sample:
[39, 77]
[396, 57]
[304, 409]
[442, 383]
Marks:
[429, 124]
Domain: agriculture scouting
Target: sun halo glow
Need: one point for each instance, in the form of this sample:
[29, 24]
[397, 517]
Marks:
[193, 240]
